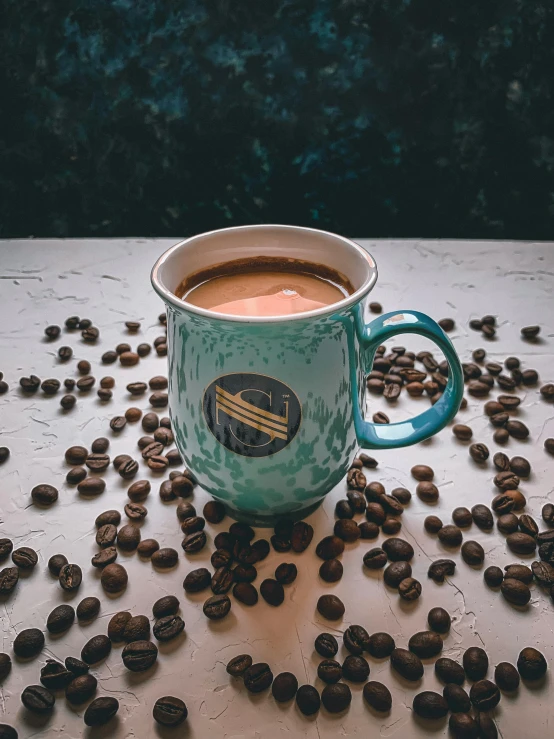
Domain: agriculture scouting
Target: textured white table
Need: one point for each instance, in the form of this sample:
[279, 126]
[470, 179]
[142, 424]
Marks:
[43, 282]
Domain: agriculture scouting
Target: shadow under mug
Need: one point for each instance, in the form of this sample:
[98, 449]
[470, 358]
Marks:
[267, 412]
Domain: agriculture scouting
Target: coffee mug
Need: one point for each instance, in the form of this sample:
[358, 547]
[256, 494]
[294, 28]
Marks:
[267, 412]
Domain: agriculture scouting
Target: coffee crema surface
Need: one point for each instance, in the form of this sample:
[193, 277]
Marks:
[265, 286]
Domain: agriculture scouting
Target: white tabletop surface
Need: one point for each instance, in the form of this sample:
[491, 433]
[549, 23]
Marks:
[43, 282]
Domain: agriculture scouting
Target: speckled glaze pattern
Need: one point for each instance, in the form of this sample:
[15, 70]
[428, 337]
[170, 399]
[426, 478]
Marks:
[324, 361]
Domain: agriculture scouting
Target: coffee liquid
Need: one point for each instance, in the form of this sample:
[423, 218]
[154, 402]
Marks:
[265, 286]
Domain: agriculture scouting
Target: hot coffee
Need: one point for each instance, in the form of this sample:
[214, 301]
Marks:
[265, 286]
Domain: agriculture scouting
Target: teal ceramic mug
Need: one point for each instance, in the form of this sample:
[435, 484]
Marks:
[268, 412]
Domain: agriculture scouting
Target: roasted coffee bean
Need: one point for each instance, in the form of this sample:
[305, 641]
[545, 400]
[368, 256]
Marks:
[493, 576]
[343, 509]
[286, 573]
[105, 557]
[117, 624]
[330, 547]
[515, 591]
[55, 564]
[407, 664]
[355, 669]
[139, 655]
[222, 580]
[67, 402]
[76, 666]
[440, 569]
[301, 536]
[409, 589]
[547, 391]
[530, 332]
[456, 698]
[30, 384]
[478, 389]
[330, 607]
[382, 417]
[506, 480]
[85, 384]
[502, 504]
[375, 559]
[501, 436]
[462, 432]
[91, 486]
[517, 429]
[6, 548]
[132, 415]
[284, 687]
[378, 696]
[450, 535]
[391, 526]
[88, 609]
[499, 420]
[439, 620]
[449, 671]
[272, 592]
[258, 677]
[356, 639]
[506, 382]
[114, 578]
[473, 553]
[528, 525]
[428, 492]
[37, 699]
[246, 593]
[120, 459]
[543, 572]
[147, 547]
[368, 461]
[506, 677]
[368, 530]
[169, 711]
[507, 523]
[238, 665]
[44, 494]
[118, 423]
[261, 549]
[168, 605]
[98, 462]
[326, 645]
[52, 332]
[194, 542]
[355, 479]
[54, 675]
[391, 505]
[128, 537]
[356, 503]
[376, 386]
[308, 700]
[158, 400]
[76, 455]
[214, 511]
[501, 461]
[521, 543]
[90, 333]
[137, 512]
[96, 649]
[100, 711]
[336, 698]
[432, 524]
[425, 644]
[168, 627]
[422, 472]
[375, 513]
[479, 452]
[106, 535]
[374, 491]
[397, 550]
[216, 607]
[430, 705]
[482, 517]
[396, 572]
[64, 354]
[109, 357]
[462, 517]
[70, 577]
[329, 670]
[463, 726]
[182, 486]
[520, 466]
[128, 469]
[476, 663]
[531, 664]
[150, 422]
[166, 493]
[197, 580]
[28, 643]
[484, 695]
[161, 558]
[128, 359]
[50, 386]
[193, 524]
[546, 552]
[221, 558]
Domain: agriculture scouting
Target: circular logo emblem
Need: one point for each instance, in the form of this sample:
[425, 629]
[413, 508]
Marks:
[252, 415]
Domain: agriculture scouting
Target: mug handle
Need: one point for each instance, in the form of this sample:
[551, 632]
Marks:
[390, 436]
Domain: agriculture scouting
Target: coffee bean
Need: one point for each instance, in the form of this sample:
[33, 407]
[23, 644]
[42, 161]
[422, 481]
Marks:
[117, 624]
[100, 711]
[105, 557]
[502, 504]
[427, 492]
[6, 548]
[139, 655]
[194, 542]
[197, 580]
[528, 525]
[463, 726]
[422, 472]
[330, 547]
[137, 512]
[374, 492]
[128, 537]
[439, 620]
[397, 550]
[114, 578]
[70, 577]
[106, 535]
[44, 495]
[375, 513]
[165, 558]
[356, 504]
[193, 524]
[430, 705]
[330, 671]
[462, 517]
[549, 446]
[391, 526]
[28, 643]
[214, 511]
[76, 666]
[128, 358]
[530, 332]
[462, 432]
[473, 553]
[91, 486]
[30, 384]
[96, 649]
[182, 486]
[482, 517]
[425, 644]
[396, 572]
[368, 530]
[222, 580]
[330, 607]
[501, 461]
[450, 535]
[506, 676]
[301, 536]
[128, 469]
[286, 573]
[440, 569]
[76, 455]
[375, 559]
[543, 573]
[217, 607]
[336, 698]
[109, 357]
[375, 386]
[515, 591]
[246, 593]
[507, 523]
[54, 675]
[258, 677]
[169, 711]
[98, 462]
[308, 700]
[88, 609]
[479, 452]
[432, 524]
[476, 663]
[221, 558]
[501, 436]
[168, 627]
[5, 667]
[449, 671]
[378, 696]
[521, 543]
[456, 698]
[493, 576]
[531, 664]
[409, 589]
[284, 687]
[238, 665]
[355, 669]
[408, 665]
[272, 592]
[136, 628]
[37, 699]
[484, 695]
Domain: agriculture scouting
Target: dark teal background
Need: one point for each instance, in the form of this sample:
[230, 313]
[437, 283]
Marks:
[393, 118]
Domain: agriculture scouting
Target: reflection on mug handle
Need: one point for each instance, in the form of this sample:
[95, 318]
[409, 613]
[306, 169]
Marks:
[370, 336]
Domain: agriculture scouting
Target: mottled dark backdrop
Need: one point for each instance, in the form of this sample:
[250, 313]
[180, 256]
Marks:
[369, 117]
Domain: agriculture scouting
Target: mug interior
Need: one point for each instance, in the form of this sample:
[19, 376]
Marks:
[240, 242]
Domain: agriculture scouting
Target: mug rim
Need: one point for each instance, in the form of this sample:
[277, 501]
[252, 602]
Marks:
[169, 297]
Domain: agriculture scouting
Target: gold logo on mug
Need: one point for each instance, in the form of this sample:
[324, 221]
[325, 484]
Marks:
[250, 414]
